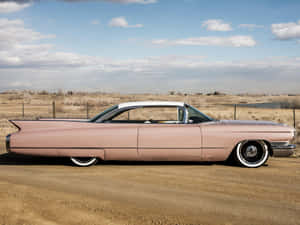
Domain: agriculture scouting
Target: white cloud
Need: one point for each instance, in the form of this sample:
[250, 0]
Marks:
[122, 22]
[251, 26]
[119, 1]
[161, 42]
[285, 31]
[216, 25]
[95, 22]
[234, 41]
[154, 74]
[10, 7]
[133, 1]
[18, 47]
[18, 84]
[13, 32]
[26, 63]
[113, 1]
[7, 23]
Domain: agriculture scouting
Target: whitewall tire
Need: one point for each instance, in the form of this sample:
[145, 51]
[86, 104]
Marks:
[84, 161]
[252, 154]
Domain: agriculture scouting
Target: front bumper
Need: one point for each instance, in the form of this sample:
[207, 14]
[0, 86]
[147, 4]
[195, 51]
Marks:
[283, 149]
[7, 142]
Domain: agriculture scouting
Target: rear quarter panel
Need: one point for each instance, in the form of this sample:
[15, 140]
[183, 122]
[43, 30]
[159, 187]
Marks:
[59, 138]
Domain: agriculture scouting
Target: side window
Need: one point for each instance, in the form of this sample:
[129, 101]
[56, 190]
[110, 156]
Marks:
[123, 116]
[150, 115]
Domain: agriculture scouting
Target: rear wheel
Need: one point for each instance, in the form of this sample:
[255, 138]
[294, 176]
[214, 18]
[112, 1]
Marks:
[84, 161]
[252, 154]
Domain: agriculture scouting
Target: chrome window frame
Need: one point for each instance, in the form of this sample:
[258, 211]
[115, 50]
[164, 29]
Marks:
[123, 109]
[184, 107]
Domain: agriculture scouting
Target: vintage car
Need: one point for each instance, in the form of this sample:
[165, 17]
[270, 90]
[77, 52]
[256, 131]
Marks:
[153, 131]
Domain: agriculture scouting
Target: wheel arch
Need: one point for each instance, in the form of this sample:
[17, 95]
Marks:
[240, 141]
[269, 147]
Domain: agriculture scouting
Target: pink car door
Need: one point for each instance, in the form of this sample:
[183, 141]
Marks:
[119, 141]
[169, 142]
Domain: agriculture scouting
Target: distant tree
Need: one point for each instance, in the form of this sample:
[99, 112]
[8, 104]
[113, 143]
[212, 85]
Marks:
[43, 92]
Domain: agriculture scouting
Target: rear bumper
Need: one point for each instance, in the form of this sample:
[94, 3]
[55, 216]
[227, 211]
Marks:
[283, 150]
[7, 142]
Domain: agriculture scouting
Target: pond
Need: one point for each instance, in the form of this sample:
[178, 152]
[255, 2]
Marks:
[265, 105]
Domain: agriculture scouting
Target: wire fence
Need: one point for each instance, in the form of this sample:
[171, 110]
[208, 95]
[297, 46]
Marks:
[50, 110]
[85, 111]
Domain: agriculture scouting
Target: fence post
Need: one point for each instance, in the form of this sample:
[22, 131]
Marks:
[23, 110]
[53, 110]
[87, 110]
[294, 117]
[234, 112]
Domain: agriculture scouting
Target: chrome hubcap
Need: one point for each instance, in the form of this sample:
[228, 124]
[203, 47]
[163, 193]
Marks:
[251, 151]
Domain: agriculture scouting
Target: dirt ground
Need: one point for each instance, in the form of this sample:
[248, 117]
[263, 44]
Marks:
[51, 191]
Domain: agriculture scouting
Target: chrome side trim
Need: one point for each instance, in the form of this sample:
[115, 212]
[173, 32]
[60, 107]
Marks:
[284, 147]
[102, 148]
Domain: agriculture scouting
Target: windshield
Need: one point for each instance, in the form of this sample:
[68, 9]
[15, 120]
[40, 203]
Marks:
[94, 119]
[196, 116]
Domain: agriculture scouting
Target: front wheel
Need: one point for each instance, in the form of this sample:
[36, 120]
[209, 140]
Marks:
[84, 161]
[252, 154]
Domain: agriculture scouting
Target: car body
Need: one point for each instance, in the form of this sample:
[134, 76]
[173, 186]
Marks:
[127, 132]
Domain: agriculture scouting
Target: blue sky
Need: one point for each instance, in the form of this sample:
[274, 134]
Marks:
[151, 45]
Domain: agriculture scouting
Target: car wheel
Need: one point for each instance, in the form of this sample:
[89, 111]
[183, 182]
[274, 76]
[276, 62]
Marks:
[251, 154]
[84, 161]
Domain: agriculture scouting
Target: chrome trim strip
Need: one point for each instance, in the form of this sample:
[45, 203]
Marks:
[271, 132]
[101, 148]
[284, 147]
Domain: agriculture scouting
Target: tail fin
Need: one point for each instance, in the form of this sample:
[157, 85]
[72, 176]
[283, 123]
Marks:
[16, 124]
[29, 125]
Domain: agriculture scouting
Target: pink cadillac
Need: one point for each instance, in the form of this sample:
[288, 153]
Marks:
[153, 131]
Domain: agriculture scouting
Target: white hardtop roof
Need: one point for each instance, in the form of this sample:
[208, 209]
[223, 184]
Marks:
[150, 103]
